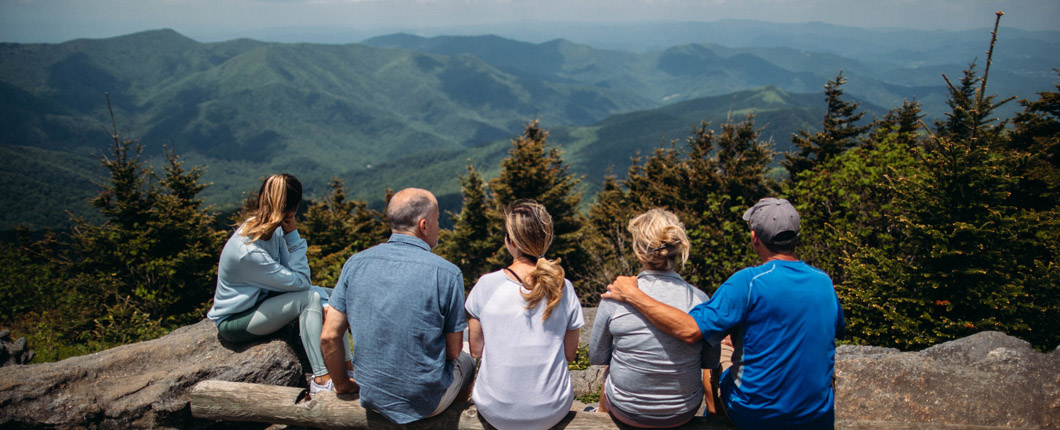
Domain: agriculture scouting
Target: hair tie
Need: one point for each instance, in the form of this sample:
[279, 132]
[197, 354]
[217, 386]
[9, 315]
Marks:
[540, 256]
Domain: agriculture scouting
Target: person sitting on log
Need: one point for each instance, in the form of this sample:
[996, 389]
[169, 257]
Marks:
[653, 379]
[263, 278]
[406, 308]
[523, 321]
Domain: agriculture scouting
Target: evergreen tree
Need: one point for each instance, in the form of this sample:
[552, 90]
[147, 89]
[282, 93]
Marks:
[839, 132]
[534, 169]
[1037, 138]
[336, 228]
[152, 265]
[473, 239]
[606, 239]
[926, 239]
[708, 186]
[742, 161]
[904, 122]
[847, 210]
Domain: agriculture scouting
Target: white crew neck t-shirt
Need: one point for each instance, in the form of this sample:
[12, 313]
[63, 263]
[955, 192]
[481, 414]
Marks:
[523, 381]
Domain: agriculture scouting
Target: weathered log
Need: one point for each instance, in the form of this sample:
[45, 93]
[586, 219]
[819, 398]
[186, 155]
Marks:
[237, 401]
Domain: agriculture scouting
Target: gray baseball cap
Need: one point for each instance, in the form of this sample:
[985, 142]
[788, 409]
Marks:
[774, 221]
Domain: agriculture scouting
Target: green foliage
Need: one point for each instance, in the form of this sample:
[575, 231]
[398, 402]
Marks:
[472, 241]
[336, 228]
[839, 131]
[581, 359]
[707, 186]
[1036, 138]
[933, 239]
[156, 254]
[535, 170]
[150, 267]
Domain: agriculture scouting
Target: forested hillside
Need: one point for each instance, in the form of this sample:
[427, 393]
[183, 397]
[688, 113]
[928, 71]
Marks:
[370, 113]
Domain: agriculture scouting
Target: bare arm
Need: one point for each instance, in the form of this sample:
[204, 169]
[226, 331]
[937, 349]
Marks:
[570, 344]
[475, 337]
[331, 347]
[669, 319]
[454, 343]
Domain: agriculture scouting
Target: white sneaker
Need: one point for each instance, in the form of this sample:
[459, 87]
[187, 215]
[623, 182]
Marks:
[314, 387]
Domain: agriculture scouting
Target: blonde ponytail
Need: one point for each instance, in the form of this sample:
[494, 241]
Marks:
[546, 281]
[529, 228]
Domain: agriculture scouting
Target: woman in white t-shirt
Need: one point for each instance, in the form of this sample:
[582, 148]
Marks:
[523, 322]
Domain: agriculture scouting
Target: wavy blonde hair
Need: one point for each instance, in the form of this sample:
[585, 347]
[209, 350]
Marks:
[529, 228]
[659, 240]
[280, 193]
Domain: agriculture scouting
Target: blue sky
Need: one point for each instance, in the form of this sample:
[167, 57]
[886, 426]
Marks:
[60, 20]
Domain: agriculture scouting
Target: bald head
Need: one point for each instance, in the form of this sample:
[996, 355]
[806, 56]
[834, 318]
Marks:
[414, 211]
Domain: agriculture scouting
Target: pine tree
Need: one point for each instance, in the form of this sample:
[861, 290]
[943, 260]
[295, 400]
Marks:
[534, 169]
[839, 132]
[606, 240]
[904, 122]
[1037, 137]
[946, 252]
[336, 228]
[474, 237]
[151, 266]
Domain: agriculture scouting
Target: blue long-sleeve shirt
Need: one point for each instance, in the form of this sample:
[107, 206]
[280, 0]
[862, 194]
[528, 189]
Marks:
[248, 271]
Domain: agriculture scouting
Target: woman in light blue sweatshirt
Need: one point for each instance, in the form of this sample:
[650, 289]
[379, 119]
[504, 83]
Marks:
[263, 278]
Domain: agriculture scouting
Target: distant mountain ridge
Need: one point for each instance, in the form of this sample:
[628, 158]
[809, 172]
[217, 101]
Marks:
[394, 111]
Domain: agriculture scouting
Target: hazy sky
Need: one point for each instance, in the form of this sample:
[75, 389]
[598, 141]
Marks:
[60, 20]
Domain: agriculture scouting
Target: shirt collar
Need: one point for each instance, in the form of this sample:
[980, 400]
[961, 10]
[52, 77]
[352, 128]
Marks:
[409, 240]
[659, 274]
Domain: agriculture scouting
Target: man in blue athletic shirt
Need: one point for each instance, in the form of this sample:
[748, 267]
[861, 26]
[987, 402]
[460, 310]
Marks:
[783, 316]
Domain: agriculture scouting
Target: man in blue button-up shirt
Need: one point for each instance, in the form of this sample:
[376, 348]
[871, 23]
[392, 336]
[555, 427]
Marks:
[406, 309]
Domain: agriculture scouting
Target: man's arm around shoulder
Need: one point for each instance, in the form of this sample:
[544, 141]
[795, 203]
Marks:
[669, 319]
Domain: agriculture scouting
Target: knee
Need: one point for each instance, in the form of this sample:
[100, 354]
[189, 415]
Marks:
[307, 300]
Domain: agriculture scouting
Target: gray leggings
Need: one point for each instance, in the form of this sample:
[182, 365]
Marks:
[276, 312]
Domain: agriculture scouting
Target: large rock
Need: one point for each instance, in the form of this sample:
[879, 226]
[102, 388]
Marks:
[988, 379]
[142, 385]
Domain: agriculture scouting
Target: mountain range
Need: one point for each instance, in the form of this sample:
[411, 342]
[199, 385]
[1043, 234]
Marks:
[404, 110]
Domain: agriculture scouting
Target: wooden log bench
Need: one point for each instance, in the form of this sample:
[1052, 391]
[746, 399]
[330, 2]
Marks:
[238, 401]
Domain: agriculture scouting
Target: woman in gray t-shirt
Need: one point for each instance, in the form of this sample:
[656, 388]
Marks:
[654, 379]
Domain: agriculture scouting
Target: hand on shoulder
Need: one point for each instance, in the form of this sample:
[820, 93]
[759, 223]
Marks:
[621, 289]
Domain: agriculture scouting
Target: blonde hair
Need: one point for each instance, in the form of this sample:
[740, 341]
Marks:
[659, 240]
[529, 228]
[280, 193]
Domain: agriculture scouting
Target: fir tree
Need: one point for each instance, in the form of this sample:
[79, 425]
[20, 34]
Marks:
[534, 169]
[606, 239]
[839, 132]
[336, 228]
[473, 239]
[1037, 138]
[151, 266]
